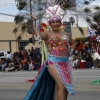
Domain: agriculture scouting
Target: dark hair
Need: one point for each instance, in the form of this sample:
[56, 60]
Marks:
[54, 20]
[8, 52]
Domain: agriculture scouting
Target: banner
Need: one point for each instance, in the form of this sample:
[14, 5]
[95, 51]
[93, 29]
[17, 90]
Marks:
[67, 27]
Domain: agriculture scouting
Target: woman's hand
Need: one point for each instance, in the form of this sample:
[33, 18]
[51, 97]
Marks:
[33, 16]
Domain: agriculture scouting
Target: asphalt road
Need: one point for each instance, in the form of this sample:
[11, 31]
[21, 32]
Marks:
[13, 85]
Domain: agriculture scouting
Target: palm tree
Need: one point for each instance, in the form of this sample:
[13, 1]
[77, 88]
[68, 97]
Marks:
[72, 7]
[72, 20]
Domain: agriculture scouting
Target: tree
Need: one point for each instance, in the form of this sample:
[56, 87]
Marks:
[74, 8]
[27, 7]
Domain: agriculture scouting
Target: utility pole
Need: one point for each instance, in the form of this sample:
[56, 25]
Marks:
[33, 38]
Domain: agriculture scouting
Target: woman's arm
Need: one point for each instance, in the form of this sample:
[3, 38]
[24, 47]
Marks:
[71, 41]
[33, 16]
[43, 35]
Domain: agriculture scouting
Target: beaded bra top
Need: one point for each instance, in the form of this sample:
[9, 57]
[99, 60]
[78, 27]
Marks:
[58, 46]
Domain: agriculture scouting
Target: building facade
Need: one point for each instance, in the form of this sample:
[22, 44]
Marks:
[8, 38]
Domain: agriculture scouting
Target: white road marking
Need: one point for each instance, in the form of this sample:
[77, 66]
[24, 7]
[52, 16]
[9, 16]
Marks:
[16, 77]
[87, 76]
[34, 77]
[85, 71]
[21, 72]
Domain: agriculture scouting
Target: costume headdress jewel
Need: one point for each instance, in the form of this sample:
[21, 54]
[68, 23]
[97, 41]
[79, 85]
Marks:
[54, 10]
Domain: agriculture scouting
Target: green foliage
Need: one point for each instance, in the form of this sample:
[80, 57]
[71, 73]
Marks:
[15, 30]
[18, 19]
[94, 26]
[96, 18]
[65, 4]
[87, 10]
[44, 51]
[21, 5]
[80, 29]
[19, 37]
[88, 20]
[23, 28]
[97, 7]
[72, 20]
[86, 2]
[83, 39]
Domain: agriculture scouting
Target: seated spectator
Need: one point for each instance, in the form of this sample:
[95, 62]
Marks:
[2, 64]
[87, 59]
[14, 65]
[31, 66]
[86, 56]
[75, 59]
[24, 62]
[9, 55]
[96, 59]
[8, 61]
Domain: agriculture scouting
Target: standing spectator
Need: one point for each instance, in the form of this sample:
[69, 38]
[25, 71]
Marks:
[93, 38]
[98, 30]
[79, 45]
[96, 59]
[98, 48]
[38, 58]
[20, 54]
[28, 52]
[32, 53]
[75, 59]
[93, 46]
[9, 55]
[15, 54]
[25, 54]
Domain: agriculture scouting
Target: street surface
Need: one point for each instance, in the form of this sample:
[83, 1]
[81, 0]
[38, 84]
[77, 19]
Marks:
[13, 85]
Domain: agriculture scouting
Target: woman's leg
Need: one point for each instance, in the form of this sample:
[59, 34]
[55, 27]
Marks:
[56, 92]
[62, 93]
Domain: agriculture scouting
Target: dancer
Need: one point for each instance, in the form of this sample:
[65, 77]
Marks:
[54, 79]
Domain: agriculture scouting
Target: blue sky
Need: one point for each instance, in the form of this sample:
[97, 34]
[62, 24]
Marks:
[8, 9]
[13, 11]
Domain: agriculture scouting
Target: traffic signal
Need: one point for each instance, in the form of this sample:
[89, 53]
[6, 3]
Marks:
[29, 30]
[32, 40]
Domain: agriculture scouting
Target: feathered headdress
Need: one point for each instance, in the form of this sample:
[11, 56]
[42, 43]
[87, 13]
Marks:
[54, 12]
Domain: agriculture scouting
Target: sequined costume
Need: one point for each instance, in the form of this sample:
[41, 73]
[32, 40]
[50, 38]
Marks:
[58, 54]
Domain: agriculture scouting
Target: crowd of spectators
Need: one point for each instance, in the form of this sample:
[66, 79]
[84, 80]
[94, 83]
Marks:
[89, 56]
[23, 60]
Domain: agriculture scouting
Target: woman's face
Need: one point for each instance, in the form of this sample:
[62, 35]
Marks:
[55, 24]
